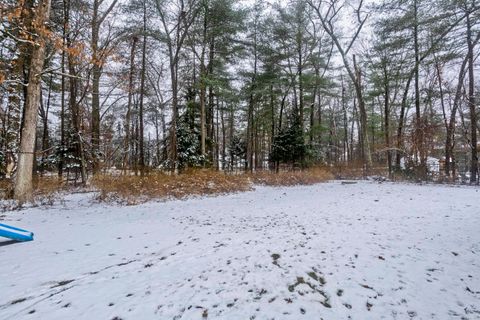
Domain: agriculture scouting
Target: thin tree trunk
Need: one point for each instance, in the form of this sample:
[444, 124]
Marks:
[203, 132]
[62, 102]
[96, 73]
[217, 136]
[74, 107]
[142, 92]
[128, 116]
[173, 127]
[387, 118]
[471, 103]
[401, 123]
[211, 106]
[357, 78]
[418, 140]
[224, 136]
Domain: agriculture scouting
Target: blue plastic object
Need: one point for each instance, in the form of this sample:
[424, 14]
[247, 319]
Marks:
[13, 233]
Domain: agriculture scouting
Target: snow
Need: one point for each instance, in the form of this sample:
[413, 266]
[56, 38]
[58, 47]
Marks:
[329, 251]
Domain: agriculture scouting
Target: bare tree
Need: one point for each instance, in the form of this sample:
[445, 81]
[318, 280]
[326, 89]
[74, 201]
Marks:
[328, 13]
[471, 94]
[176, 21]
[98, 59]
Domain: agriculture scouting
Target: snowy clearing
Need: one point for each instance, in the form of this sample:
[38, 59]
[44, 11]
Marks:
[329, 251]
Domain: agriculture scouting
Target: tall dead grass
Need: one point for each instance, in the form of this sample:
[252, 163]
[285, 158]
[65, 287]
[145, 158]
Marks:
[292, 178]
[46, 190]
[355, 170]
[130, 189]
[135, 189]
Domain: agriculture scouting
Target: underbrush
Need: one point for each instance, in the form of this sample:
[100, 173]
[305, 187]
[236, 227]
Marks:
[131, 189]
[355, 171]
[291, 178]
[46, 191]
[135, 189]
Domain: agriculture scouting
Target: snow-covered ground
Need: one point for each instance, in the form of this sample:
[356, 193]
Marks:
[329, 251]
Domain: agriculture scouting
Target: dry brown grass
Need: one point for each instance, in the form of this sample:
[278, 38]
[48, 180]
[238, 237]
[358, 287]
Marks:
[292, 178]
[47, 185]
[132, 190]
[45, 189]
[157, 185]
[6, 189]
[356, 171]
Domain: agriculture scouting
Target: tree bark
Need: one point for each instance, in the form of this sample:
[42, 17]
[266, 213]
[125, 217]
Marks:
[471, 103]
[96, 73]
[203, 88]
[23, 185]
[387, 117]
[142, 93]
[128, 116]
[97, 66]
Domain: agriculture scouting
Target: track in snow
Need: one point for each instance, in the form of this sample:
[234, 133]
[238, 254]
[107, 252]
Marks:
[331, 251]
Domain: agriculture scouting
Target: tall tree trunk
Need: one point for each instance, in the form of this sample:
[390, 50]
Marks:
[128, 116]
[158, 154]
[251, 108]
[203, 129]
[203, 88]
[315, 93]
[173, 127]
[45, 133]
[142, 93]
[419, 124]
[471, 103]
[300, 93]
[345, 123]
[345, 131]
[97, 66]
[449, 142]
[217, 135]
[211, 105]
[401, 123]
[63, 88]
[73, 104]
[23, 184]
[357, 79]
[224, 136]
[300, 86]
[250, 129]
[272, 111]
[231, 132]
[96, 73]
[387, 117]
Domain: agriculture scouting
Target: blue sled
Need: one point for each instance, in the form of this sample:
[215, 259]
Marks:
[13, 233]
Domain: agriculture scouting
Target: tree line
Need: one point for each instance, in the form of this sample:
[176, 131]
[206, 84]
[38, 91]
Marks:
[91, 86]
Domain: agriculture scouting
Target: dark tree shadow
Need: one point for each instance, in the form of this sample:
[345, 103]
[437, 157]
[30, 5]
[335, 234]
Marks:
[9, 242]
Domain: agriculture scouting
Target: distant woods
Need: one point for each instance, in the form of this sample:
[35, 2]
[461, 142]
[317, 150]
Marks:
[93, 86]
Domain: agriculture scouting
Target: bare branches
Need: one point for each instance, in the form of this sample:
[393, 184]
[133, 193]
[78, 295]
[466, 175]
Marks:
[17, 39]
[107, 12]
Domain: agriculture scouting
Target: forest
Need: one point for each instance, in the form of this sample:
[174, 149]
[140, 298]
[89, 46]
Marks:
[136, 86]
[239, 159]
